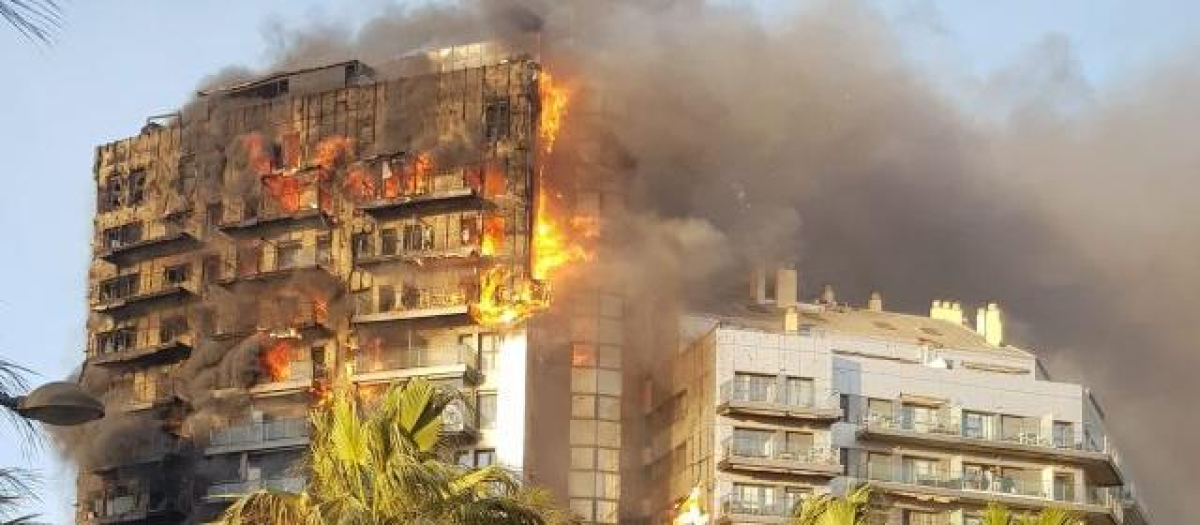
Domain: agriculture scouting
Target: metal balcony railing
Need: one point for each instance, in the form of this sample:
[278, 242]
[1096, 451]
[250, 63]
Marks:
[292, 484]
[417, 299]
[1000, 484]
[259, 433]
[774, 394]
[406, 358]
[1028, 434]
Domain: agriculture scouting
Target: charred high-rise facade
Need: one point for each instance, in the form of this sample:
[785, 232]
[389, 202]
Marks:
[345, 226]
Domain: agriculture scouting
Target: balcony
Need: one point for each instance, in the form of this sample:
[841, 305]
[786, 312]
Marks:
[231, 490]
[276, 434]
[772, 456]
[288, 201]
[125, 251]
[257, 274]
[143, 349]
[460, 420]
[736, 509]
[445, 190]
[462, 253]
[143, 396]
[124, 506]
[141, 449]
[297, 376]
[1016, 493]
[415, 303]
[949, 432]
[387, 365]
[131, 297]
[775, 402]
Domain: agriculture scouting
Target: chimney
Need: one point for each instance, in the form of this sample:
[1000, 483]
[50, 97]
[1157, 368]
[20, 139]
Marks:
[950, 311]
[791, 320]
[989, 325]
[778, 286]
[828, 298]
[875, 303]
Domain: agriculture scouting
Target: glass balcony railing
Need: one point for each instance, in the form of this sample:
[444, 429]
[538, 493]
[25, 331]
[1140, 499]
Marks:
[1028, 434]
[406, 358]
[1023, 484]
[773, 397]
[259, 433]
[735, 505]
[737, 447]
[292, 484]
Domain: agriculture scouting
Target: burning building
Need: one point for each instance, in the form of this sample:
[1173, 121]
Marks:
[343, 226]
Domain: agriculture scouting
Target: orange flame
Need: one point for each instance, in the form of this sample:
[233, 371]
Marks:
[552, 248]
[418, 174]
[359, 184]
[276, 360]
[287, 190]
[332, 150]
[258, 157]
[504, 300]
[555, 99]
[493, 235]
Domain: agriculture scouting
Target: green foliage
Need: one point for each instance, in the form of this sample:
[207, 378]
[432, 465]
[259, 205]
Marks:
[381, 463]
[829, 510]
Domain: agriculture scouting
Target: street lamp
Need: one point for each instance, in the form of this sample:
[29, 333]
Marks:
[60, 403]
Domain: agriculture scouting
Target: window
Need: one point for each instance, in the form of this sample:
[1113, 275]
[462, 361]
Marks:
[496, 119]
[751, 442]
[977, 425]
[117, 340]
[287, 255]
[879, 466]
[387, 298]
[484, 457]
[248, 259]
[122, 235]
[922, 471]
[753, 387]
[1064, 434]
[214, 214]
[752, 499]
[797, 444]
[112, 194]
[177, 275]
[415, 237]
[879, 410]
[324, 249]
[487, 410]
[489, 347]
[362, 246]
[119, 287]
[172, 328]
[137, 188]
[210, 267]
[1064, 486]
[798, 391]
[464, 458]
[914, 517]
[387, 242]
[1018, 429]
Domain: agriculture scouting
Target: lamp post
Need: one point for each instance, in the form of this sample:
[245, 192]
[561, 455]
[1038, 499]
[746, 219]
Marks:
[60, 403]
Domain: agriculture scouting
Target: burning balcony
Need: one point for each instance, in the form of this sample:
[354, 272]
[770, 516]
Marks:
[954, 428]
[287, 200]
[128, 292]
[130, 504]
[374, 364]
[404, 184]
[285, 369]
[137, 241]
[412, 302]
[259, 435]
[746, 453]
[777, 400]
[129, 344]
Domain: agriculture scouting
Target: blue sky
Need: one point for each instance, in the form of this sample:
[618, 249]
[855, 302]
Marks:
[118, 61]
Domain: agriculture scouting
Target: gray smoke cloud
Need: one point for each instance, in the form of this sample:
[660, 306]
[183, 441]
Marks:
[815, 139]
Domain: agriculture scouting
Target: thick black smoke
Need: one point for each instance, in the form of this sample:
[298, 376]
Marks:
[814, 138]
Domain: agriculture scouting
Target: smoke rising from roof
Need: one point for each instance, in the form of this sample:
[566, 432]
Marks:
[815, 139]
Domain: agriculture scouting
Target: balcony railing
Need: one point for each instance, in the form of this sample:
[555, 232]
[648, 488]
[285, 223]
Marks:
[415, 303]
[140, 395]
[773, 400]
[988, 485]
[154, 239]
[399, 192]
[230, 489]
[776, 507]
[752, 448]
[261, 433]
[408, 358]
[137, 292]
[128, 505]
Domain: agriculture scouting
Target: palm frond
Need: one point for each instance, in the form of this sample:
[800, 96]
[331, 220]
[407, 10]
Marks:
[12, 384]
[17, 488]
[36, 20]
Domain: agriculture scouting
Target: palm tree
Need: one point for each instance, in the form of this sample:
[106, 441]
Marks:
[381, 463]
[36, 20]
[830, 510]
[997, 514]
[16, 485]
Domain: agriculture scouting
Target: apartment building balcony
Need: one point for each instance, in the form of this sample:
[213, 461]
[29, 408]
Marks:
[460, 420]
[950, 432]
[299, 201]
[231, 490]
[441, 191]
[134, 297]
[142, 347]
[142, 396]
[262, 435]
[461, 253]
[415, 303]
[141, 449]
[436, 362]
[125, 506]
[123, 246]
[295, 377]
[736, 509]
[261, 275]
[1021, 494]
[775, 402]
[773, 457]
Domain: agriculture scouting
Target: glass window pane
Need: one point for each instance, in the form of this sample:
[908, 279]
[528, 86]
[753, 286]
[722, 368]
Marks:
[583, 406]
[583, 458]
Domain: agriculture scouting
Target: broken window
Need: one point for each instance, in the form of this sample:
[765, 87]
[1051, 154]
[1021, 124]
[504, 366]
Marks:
[117, 340]
[110, 194]
[122, 235]
[137, 188]
[172, 328]
[178, 274]
[387, 242]
[496, 119]
[287, 255]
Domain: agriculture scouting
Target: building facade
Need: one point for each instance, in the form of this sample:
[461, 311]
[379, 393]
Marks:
[337, 227]
[778, 399]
